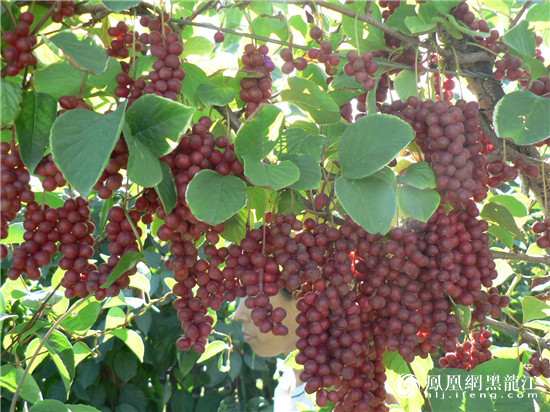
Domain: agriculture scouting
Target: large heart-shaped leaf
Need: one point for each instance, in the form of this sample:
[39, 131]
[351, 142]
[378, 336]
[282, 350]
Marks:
[522, 116]
[372, 142]
[370, 201]
[214, 198]
[82, 142]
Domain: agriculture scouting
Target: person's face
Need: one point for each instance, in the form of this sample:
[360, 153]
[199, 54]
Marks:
[268, 344]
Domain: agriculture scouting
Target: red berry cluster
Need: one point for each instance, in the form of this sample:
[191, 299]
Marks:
[538, 366]
[166, 78]
[15, 189]
[471, 353]
[324, 53]
[40, 243]
[120, 232]
[543, 228]
[290, 63]
[490, 302]
[462, 12]
[123, 41]
[509, 67]
[53, 178]
[362, 68]
[64, 8]
[452, 141]
[77, 247]
[19, 52]
[111, 178]
[256, 90]
[72, 102]
[448, 86]
[391, 5]
[541, 86]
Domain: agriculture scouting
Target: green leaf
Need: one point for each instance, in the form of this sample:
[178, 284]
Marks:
[166, 189]
[62, 353]
[212, 349]
[86, 53]
[503, 235]
[226, 195]
[444, 7]
[10, 102]
[153, 119]
[460, 26]
[300, 141]
[522, 116]
[256, 137]
[132, 339]
[126, 262]
[15, 234]
[416, 26]
[504, 271]
[372, 142]
[534, 308]
[10, 380]
[49, 405]
[144, 168]
[276, 176]
[82, 142]
[266, 25]
[83, 318]
[405, 84]
[82, 408]
[446, 399]
[213, 94]
[521, 39]
[371, 201]
[309, 97]
[310, 172]
[499, 214]
[538, 12]
[60, 79]
[38, 112]
[125, 366]
[418, 203]
[118, 6]
[419, 175]
[514, 205]
[198, 46]
[235, 227]
[194, 77]
[405, 386]
[115, 318]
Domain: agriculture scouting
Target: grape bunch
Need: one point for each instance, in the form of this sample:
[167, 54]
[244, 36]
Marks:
[362, 68]
[470, 353]
[166, 78]
[20, 42]
[538, 366]
[502, 172]
[448, 86]
[463, 13]
[324, 54]
[491, 302]
[452, 141]
[257, 88]
[15, 189]
[543, 228]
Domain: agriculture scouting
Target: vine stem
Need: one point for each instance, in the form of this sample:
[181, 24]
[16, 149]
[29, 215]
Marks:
[10, 14]
[520, 13]
[426, 402]
[37, 351]
[525, 335]
[44, 19]
[545, 260]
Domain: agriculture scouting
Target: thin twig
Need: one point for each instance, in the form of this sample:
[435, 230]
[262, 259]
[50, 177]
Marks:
[545, 260]
[524, 334]
[520, 13]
